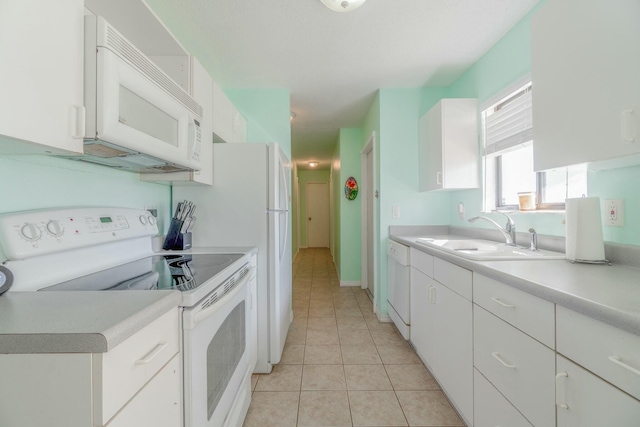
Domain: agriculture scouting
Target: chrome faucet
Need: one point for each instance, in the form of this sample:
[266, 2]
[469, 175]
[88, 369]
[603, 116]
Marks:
[509, 231]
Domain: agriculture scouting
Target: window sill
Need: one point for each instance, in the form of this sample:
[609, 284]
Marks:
[537, 211]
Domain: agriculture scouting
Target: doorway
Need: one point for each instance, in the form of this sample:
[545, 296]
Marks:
[317, 214]
[368, 219]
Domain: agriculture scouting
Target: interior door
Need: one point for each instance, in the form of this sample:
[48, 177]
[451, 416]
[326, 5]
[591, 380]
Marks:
[317, 215]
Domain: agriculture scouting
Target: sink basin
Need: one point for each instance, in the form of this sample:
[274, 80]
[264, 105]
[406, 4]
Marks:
[486, 250]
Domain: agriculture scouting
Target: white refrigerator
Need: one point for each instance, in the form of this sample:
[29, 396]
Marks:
[248, 205]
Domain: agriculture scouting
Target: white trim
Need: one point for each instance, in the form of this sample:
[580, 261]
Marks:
[384, 318]
[506, 92]
[370, 146]
[350, 283]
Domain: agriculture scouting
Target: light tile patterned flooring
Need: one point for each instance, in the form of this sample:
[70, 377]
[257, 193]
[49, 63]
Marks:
[341, 366]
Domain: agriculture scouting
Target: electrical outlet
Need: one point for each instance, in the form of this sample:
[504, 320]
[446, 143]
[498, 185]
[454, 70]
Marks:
[461, 210]
[614, 212]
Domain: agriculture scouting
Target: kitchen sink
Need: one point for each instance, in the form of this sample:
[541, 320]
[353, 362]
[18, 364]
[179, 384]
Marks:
[486, 250]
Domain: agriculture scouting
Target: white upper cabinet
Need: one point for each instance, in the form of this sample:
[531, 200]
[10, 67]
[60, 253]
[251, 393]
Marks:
[201, 89]
[228, 124]
[41, 80]
[448, 146]
[585, 68]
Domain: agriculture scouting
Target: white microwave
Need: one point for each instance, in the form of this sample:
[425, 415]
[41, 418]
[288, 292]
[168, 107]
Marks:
[137, 117]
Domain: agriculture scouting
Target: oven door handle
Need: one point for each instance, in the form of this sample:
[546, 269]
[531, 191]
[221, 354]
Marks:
[212, 309]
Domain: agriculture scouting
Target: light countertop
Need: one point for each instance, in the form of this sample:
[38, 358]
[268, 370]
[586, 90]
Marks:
[84, 321]
[607, 293]
[77, 321]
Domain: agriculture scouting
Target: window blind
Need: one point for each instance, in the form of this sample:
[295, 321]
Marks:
[509, 123]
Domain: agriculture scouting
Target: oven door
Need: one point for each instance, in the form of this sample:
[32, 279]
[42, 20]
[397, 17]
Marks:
[216, 355]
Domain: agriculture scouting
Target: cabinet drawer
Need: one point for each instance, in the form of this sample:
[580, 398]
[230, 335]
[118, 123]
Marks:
[530, 314]
[157, 404]
[590, 401]
[606, 351]
[521, 368]
[456, 278]
[126, 368]
[491, 408]
[421, 261]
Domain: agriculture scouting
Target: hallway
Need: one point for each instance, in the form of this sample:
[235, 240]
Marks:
[341, 366]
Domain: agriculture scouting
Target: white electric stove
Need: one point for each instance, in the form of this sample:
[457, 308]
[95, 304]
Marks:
[110, 250]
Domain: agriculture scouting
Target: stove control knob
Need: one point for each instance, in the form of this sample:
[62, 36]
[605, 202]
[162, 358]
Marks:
[55, 228]
[143, 219]
[152, 220]
[30, 232]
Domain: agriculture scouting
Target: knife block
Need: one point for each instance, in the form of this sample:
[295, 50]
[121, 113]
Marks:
[176, 240]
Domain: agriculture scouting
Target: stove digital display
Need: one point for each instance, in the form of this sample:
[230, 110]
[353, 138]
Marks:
[105, 219]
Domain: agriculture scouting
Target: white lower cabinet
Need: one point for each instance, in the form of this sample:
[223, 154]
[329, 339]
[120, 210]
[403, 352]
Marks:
[585, 400]
[441, 332]
[141, 375]
[157, 404]
[491, 409]
[521, 368]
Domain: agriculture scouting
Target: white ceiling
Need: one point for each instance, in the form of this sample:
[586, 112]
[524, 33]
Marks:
[333, 63]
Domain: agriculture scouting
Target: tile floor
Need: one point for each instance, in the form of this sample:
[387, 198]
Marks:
[341, 366]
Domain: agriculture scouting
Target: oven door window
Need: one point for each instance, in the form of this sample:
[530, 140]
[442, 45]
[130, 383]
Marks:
[223, 355]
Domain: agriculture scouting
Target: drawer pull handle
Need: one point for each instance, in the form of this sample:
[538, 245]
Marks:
[502, 303]
[153, 353]
[497, 356]
[618, 361]
[560, 390]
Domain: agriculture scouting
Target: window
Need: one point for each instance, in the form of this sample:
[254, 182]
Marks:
[508, 158]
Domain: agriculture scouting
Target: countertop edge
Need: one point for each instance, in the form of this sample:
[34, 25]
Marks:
[624, 320]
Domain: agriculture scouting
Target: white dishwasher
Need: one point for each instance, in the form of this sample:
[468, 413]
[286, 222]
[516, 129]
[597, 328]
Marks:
[398, 285]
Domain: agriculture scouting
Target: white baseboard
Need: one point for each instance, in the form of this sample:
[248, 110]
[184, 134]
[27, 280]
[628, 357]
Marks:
[354, 283]
[384, 318]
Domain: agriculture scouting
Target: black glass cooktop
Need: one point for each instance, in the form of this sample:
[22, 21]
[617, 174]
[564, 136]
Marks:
[178, 272]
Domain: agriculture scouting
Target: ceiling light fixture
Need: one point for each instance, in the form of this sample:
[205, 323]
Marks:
[342, 5]
[313, 164]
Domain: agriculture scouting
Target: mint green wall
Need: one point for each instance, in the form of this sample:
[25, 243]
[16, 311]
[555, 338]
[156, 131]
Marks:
[398, 177]
[506, 62]
[267, 112]
[41, 182]
[349, 242]
[308, 176]
[619, 184]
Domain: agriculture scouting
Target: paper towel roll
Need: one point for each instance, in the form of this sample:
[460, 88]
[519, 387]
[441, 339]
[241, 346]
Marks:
[584, 229]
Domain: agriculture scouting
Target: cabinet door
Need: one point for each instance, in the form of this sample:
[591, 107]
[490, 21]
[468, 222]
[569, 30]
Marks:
[41, 81]
[222, 114]
[430, 150]
[158, 404]
[420, 309]
[452, 347]
[521, 368]
[239, 127]
[490, 408]
[585, 400]
[585, 67]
